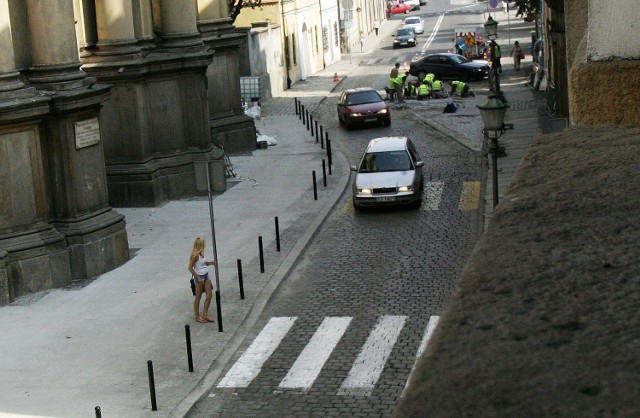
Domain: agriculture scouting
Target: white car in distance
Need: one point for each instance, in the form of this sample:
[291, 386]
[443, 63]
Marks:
[416, 22]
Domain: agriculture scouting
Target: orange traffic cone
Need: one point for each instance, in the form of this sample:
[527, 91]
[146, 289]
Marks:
[336, 79]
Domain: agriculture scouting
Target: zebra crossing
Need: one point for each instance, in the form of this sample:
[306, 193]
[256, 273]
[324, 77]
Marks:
[365, 370]
[404, 60]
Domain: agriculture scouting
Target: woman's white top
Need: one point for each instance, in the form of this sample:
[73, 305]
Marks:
[200, 267]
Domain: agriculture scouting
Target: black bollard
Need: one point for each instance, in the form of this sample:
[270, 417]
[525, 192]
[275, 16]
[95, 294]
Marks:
[301, 115]
[315, 188]
[296, 104]
[316, 125]
[239, 262]
[187, 335]
[277, 235]
[326, 134]
[261, 254]
[324, 173]
[311, 124]
[98, 412]
[306, 119]
[152, 386]
[219, 311]
[329, 155]
[321, 134]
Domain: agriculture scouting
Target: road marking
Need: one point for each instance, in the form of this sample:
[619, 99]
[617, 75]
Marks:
[470, 196]
[434, 191]
[431, 326]
[434, 32]
[250, 363]
[370, 362]
[309, 363]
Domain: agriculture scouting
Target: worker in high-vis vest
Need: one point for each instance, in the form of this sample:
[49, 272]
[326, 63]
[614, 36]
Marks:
[428, 78]
[398, 85]
[424, 91]
[437, 90]
[459, 88]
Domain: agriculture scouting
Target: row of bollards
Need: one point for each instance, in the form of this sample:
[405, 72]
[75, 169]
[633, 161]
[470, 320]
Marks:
[322, 137]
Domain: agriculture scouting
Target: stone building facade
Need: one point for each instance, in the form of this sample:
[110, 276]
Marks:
[106, 103]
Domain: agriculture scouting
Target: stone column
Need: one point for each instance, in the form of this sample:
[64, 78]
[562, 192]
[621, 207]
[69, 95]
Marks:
[116, 33]
[143, 23]
[178, 26]
[10, 85]
[229, 125]
[54, 51]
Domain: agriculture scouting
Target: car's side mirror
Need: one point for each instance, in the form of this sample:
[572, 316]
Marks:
[419, 163]
[353, 168]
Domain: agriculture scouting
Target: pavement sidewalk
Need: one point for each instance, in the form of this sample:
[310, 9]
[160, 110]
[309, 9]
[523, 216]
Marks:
[66, 351]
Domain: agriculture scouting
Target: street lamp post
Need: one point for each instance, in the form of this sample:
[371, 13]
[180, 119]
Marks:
[491, 27]
[493, 110]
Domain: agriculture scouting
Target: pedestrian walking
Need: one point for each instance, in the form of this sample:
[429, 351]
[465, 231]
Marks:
[361, 41]
[376, 26]
[518, 55]
[198, 268]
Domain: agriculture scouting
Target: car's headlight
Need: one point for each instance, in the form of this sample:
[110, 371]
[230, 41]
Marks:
[363, 191]
[356, 114]
[405, 188]
[383, 111]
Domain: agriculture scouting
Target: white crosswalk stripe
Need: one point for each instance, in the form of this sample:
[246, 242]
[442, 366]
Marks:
[431, 326]
[370, 362]
[307, 366]
[251, 361]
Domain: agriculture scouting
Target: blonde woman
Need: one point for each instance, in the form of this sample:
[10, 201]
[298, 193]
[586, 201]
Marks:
[198, 268]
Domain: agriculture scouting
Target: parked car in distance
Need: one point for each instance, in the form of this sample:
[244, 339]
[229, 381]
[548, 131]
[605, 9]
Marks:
[404, 36]
[398, 8]
[362, 106]
[415, 22]
[415, 4]
[423, 2]
[449, 66]
[388, 174]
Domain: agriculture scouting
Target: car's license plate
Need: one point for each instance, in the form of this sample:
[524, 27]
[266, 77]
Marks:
[371, 119]
[385, 199]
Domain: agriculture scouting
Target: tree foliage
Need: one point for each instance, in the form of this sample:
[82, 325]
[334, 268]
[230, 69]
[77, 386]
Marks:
[236, 6]
[527, 7]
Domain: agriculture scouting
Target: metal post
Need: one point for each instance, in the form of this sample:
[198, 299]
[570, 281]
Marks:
[152, 386]
[494, 157]
[311, 124]
[324, 173]
[321, 134]
[277, 235]
[316, 125]
[301, 115]
[329, 160]
[98, 412]
[239, 262]
[326, 135]
[214, 248]
[306, 112]
[261, 254]
[296, 103]
[187, 334]
[219, 310]
[315, 188]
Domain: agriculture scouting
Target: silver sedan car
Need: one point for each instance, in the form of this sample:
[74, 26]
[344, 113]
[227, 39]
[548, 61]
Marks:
[389, 174]
[414, 22]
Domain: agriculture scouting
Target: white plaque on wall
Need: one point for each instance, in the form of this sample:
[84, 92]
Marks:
[87, 133]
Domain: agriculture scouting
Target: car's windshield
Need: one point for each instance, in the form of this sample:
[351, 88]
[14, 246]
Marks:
[459, 58]
[375, 162]
[362, 97]
[411, 21]
[404, 32]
